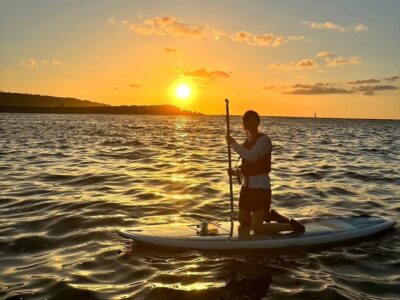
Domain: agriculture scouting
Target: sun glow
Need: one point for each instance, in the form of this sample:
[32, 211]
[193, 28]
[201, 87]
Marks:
[183, 91]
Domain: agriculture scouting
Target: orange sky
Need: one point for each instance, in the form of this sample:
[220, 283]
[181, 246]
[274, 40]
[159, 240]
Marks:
[277, 58]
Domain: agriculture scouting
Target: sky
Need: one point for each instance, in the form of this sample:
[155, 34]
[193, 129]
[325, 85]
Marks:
[281, 58]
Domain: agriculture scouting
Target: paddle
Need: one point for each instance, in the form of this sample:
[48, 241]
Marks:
[229, 155]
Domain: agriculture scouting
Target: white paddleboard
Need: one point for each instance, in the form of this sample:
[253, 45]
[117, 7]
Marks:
[226, 236]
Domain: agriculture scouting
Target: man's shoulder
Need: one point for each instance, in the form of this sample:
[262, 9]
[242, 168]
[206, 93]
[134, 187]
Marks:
[264, 137]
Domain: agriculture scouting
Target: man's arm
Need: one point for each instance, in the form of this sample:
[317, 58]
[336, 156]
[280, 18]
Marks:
[262, 147]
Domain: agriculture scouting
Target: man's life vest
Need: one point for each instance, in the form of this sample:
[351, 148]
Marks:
[261, 166]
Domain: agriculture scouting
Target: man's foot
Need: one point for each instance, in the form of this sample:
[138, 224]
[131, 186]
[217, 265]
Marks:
[297, 226]
[275, 216]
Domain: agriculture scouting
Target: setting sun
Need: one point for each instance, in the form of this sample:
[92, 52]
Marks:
[183, 91]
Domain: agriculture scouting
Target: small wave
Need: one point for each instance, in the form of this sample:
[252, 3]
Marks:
[313, 175]
[371, 177]
[29, 192]
[30, 244]
[57, 177]
[89, 179]
[340, 191]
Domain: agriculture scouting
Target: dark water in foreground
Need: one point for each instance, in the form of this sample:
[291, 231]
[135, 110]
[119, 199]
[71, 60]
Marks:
[69, 182]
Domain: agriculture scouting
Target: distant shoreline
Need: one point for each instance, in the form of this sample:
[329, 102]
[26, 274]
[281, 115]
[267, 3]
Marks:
[131, 110]
[119, 110]
[30, 103]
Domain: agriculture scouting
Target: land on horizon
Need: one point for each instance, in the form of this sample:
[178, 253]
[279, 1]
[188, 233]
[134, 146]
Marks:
[29, 103]
[32, 103]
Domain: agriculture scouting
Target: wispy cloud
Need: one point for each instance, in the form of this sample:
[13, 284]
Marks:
[297, 65]
[169, 25]
[242, 36]
[352, 60]
[263, 40]
[171, 51]
[325, 54]
[370, 89]
[6, 72]
[360, 28]
[32, 63]
[364, 86]
[335, 27]
[207, 74]
[322, 58]
[111, 20]
[363, 81]
[56, 61]
[134, 85]
[393, 77]
[323, 25]
[316, 89]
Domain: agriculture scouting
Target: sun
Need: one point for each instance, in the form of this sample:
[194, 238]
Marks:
[183, 91]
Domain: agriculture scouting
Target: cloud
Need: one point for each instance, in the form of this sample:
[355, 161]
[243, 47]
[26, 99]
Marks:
[263, 40]
[32, 63]
[6, 72]
[324, 25]
[369, 89]
[352, 60]
[364, 86]
[56, 61]
[241, 36]
[307, 63]
[269, 40]
[207, 74]
[316, 89]
[335, 27]
[362, 81]
[325, 54]
[393, 77]
[134, 85]
[360, 28]
[169, 25]
[295, 38]
[323, 58]
[299, 65]
[217, 33]
[111, 20]
[29, 62]
[172, 51]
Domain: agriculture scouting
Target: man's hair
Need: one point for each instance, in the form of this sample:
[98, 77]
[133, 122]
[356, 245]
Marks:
[251, 116]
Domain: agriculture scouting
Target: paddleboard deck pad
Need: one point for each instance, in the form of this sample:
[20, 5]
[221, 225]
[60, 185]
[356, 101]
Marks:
[227, 236]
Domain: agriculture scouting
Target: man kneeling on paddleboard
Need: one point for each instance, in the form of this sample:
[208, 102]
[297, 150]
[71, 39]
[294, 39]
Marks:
[255, 194]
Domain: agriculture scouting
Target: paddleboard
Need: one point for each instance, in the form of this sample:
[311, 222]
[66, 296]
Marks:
[227, 236]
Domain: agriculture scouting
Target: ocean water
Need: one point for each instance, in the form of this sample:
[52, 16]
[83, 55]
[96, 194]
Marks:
[69, 182]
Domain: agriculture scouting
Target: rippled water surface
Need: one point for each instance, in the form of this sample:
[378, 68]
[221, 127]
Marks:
[69, 182]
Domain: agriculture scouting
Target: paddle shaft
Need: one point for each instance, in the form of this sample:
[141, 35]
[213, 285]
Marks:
[228, 130]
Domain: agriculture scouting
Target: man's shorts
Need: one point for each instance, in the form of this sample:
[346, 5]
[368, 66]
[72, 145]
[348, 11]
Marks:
[255, 199]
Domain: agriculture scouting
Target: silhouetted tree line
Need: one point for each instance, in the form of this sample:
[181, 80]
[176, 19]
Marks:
[30, 103]
[19, 99]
